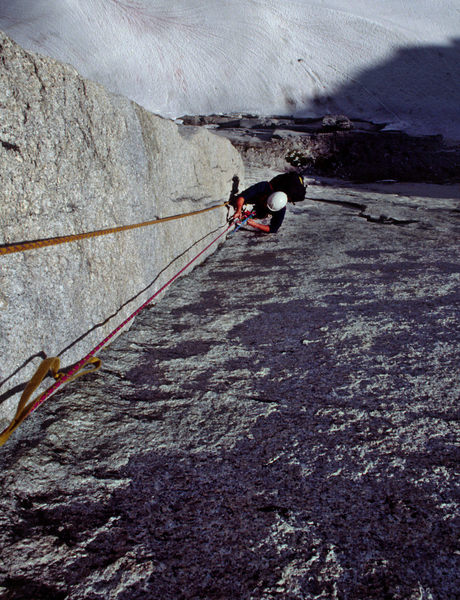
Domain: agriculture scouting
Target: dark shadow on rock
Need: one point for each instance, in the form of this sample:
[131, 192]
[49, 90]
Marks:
[387, 90]
[254, 521]
[199, 523]
[436, 88]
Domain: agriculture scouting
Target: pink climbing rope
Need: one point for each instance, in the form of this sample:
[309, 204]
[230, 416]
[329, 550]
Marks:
[90, 354]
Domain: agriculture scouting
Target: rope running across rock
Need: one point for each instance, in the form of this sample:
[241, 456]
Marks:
[31, 245]
[26, 407]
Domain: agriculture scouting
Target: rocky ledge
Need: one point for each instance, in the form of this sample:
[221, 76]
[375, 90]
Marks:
[337, 146]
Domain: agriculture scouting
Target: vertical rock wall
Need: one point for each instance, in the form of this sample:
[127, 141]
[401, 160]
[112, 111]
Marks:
[75, 158]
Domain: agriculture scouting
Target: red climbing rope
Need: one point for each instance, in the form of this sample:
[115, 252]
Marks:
[24, 409]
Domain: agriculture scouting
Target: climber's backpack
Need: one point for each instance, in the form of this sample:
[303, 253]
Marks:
[291, 184]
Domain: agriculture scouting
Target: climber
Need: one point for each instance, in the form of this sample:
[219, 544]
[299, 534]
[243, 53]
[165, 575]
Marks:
[269, 199]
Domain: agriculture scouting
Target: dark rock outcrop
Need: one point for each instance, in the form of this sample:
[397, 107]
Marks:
[339, 147]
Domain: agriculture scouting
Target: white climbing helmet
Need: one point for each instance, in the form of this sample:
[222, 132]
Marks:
[277, 201]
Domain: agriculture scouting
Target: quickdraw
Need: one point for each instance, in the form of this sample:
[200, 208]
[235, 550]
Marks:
[246, 216]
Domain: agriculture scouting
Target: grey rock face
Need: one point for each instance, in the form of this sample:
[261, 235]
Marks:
[280, 426]
[75, 158]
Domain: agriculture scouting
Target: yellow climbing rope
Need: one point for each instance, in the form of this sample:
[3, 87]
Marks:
[51, 365]
[25, 407]
[23, 246]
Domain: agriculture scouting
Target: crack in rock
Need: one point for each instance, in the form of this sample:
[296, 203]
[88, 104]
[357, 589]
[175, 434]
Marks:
[10, 146]
[384, 220]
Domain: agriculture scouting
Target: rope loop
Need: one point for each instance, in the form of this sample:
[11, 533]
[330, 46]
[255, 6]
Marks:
[48, 366]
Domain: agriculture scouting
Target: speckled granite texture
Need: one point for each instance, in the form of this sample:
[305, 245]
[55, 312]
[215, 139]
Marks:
[282, 425]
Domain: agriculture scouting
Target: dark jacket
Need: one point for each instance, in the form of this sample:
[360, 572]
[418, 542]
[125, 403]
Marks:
[257, 195]
[289, 183]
